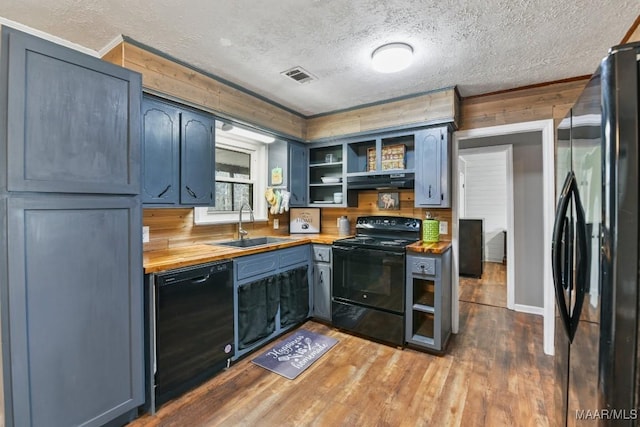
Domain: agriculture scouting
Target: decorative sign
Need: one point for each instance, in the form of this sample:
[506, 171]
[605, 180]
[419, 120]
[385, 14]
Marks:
[304, 220]
[276, 176]
[388, 201]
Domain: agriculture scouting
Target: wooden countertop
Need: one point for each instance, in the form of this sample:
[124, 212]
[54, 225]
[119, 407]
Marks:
[429, 248]
[168, 259]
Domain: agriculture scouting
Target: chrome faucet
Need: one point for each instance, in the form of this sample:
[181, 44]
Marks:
[241, 231]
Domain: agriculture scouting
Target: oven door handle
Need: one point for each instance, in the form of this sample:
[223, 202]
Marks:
[342, 248]
[368, 252]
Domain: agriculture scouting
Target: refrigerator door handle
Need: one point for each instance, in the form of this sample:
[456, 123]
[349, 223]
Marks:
[582, 262]
[556, 251]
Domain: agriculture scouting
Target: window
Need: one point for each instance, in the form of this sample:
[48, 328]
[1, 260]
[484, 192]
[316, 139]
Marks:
[240, 171]
[234, 186]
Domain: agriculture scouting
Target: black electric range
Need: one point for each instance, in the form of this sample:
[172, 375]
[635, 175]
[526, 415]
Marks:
[383, 233]
[369, 277]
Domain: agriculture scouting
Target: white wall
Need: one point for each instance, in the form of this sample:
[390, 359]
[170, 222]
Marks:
[486, 197]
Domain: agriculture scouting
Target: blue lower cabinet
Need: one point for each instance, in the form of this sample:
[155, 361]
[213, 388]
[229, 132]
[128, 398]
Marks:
[271, 295]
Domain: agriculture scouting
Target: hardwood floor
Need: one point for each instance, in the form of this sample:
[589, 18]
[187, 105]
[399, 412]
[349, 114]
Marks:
[490, 289]
[493, 374]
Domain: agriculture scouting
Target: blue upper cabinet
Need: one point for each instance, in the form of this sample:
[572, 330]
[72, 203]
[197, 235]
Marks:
[432, 168]
[197, 161]
[299, 165]
[179, 155]
[291, 157]
[70, 128]
[161, 159]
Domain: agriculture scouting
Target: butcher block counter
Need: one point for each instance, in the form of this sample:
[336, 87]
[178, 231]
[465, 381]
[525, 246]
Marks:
[184, 256]
[429, 248]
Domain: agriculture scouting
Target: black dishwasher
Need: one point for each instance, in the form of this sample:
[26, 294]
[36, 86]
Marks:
[194, 326]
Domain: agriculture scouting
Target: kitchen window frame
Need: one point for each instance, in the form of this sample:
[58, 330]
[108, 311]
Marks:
[258, 167]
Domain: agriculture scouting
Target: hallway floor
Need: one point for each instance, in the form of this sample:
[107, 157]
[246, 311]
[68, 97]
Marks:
[490, 289]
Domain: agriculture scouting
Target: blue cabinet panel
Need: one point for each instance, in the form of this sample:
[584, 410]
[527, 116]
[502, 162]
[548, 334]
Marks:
[74, 309]
[298, 167]
[179, 155]
[161, 159]
[73, 121]
[432, 168]
[292, 157]
[197, 161]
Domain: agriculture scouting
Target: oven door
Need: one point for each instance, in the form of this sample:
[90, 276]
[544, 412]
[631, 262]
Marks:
[369, 277]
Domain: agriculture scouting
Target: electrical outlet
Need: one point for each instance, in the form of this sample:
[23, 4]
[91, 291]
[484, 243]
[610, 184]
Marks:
[444, 227]
[145, 234]
[276, 223]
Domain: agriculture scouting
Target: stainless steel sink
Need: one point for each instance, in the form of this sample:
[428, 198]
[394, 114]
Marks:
[251, 242]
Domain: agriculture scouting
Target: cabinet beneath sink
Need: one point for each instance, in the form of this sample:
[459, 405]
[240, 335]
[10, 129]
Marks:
[271, 295]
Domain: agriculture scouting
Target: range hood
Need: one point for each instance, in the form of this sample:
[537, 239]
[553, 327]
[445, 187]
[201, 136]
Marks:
[380, 182]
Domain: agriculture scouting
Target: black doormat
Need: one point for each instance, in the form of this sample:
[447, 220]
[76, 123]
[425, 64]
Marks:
[291, 356]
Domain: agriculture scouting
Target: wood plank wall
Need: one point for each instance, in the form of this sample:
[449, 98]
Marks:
[439, 106]
[174, 227]
[540, 102]
[163, 76]
[368, 205]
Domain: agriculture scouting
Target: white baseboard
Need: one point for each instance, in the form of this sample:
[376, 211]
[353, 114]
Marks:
[529, 309]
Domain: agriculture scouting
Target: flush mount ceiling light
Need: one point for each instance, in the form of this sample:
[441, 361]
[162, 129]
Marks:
[392, 57]
[228, 127]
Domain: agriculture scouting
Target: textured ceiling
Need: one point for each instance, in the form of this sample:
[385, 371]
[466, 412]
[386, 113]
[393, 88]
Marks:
[478, 45]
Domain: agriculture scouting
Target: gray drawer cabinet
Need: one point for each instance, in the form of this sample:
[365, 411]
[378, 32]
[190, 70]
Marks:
[70, 237]
[322, 267]
[292, 158]
[179, 155]
[428, 304]
[433, 173]
[271, 295]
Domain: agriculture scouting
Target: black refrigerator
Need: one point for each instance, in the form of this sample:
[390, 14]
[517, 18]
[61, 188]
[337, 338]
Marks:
[595, 248]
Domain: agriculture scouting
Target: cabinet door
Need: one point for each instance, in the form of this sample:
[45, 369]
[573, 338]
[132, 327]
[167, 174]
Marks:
[428, 168]
[197, 159]
[298, 174]
[74, 310]
[161, 148]
[73, 121]
[322, 291]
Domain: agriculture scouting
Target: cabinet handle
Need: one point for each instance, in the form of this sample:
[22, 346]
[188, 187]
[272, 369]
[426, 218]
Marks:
[429, 191]
[321, 277]
[191, 193]
[164, 191]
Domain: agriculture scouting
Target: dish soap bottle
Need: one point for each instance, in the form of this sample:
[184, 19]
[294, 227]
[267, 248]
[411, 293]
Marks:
[430, 229]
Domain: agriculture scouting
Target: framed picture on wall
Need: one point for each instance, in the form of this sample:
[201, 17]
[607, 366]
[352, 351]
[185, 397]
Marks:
[304, 220]
[388, 201]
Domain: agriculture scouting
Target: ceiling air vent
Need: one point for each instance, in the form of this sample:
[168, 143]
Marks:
[299, 74]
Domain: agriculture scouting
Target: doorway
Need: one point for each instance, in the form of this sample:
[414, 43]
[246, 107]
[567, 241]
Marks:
[546, 130]
[486, 216]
